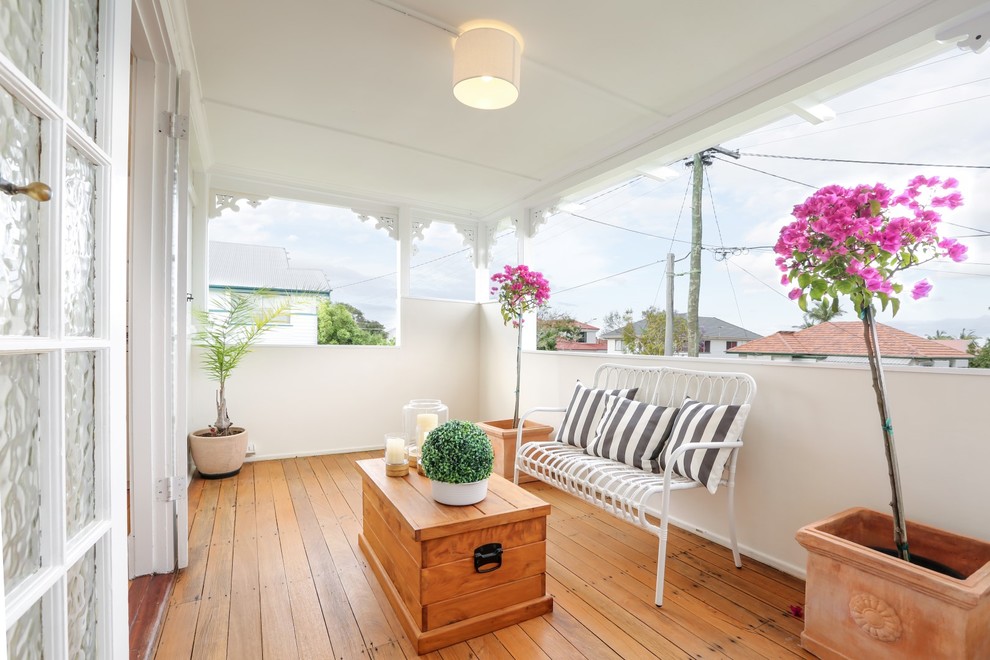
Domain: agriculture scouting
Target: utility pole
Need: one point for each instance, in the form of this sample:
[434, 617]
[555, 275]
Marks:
[668, 334]
[694, 282]
[698, 164]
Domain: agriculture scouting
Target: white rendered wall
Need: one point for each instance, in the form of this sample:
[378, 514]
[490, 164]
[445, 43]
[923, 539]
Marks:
[813, 440]
[303, 400]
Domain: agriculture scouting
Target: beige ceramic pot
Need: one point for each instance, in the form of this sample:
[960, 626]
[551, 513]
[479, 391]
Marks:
[860, 603]
[503, 438]
[218, 457]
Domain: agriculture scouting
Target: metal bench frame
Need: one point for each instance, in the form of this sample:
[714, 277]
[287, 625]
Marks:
[627, 492]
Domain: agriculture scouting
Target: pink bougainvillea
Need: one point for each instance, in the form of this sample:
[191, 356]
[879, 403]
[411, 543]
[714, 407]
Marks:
[854, 241]
[520, 290]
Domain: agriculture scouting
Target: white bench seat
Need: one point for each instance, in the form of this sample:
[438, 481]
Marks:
[629, 493]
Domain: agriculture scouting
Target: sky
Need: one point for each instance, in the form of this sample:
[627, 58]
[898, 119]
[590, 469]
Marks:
[932, 113]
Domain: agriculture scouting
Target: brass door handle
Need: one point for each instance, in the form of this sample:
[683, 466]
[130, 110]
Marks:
[36, 190]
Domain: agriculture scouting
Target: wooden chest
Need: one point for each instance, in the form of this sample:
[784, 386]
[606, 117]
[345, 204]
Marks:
[424, 555]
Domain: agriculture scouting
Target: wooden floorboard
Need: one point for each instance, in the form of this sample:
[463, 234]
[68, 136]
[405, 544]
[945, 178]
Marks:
[276, 572]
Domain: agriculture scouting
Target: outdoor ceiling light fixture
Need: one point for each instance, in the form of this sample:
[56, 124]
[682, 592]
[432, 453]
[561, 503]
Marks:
[486, 67]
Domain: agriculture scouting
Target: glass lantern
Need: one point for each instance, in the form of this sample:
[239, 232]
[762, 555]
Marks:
[419, 417]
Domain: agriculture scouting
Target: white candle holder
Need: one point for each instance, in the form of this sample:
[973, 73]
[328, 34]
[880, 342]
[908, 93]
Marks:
[396, 463]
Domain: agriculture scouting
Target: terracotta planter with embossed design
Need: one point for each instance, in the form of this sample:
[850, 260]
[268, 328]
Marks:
[861, 603]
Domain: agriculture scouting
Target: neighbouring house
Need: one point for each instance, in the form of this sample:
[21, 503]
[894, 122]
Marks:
[250, 268]
[843, 341]
[588, 341]
[717, 336]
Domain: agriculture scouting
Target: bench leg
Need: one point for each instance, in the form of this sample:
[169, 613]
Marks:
[661, 561]
[736, 557]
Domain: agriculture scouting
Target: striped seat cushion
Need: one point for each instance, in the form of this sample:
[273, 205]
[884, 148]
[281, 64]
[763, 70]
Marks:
[704, 422]
[632, 432]
[584, 412]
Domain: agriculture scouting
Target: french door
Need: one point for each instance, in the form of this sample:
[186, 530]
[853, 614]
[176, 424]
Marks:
[63, 120]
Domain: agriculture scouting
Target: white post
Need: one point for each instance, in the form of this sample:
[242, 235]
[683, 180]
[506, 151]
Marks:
[482, 248]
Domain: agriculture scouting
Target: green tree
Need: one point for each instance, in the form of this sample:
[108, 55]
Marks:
[651, 340]
[940, 334]
[821, 313]
[982, 359]
[552, 325]
[336, 324]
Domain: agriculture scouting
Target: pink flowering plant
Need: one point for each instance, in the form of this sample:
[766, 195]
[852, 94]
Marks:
[520, 291]
[856, 242]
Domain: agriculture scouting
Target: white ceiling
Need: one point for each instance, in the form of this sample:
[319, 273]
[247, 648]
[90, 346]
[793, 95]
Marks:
[354, 97]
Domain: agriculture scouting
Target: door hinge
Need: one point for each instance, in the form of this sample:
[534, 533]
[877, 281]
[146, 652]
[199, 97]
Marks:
[176, 125]
[171, 489]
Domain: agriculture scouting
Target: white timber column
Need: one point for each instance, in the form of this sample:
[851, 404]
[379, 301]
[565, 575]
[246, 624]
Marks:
[199, 242]
[484, 235]
[403, 261]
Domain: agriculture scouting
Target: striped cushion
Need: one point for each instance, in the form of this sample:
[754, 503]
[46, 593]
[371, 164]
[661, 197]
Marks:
[584, 412]
[704, 422]
[632, 432]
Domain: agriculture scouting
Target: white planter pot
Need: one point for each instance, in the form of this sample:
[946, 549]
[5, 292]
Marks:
[459, 494]
[218, 457]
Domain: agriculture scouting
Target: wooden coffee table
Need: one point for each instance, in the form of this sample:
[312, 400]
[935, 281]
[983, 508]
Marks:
[437, 564]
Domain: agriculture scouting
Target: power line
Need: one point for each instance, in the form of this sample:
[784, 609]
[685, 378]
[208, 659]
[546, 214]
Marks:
[869, 121]
[866, 162]
[776, 176]
[607, 277]
[772, 288]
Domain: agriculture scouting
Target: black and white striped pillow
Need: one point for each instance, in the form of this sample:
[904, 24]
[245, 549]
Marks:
[704, 422]
[584, 412]
[632, 432]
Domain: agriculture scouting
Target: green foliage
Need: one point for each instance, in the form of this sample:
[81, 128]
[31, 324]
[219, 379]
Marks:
[822, 312]
[457, 452]
[340, 323]
[982, 359]
[552, 325]
[229, 332]
[651, 340]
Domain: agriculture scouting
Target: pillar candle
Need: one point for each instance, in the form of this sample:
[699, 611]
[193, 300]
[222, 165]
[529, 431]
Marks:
[425, 423]
[395, 450]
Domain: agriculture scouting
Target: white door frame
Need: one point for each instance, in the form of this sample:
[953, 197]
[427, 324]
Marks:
[156, 311]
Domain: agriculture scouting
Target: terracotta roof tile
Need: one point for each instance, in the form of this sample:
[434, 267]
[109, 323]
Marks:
[565, 345]
[846, 338]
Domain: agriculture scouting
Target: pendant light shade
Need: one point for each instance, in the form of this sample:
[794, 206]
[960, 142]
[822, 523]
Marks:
[486, 68]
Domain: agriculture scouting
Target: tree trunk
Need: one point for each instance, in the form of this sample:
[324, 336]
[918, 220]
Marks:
[876, 370]
[515, 412]
[223, 420]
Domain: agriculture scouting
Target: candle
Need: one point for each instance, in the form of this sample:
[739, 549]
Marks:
[395, 450]
[425, 423]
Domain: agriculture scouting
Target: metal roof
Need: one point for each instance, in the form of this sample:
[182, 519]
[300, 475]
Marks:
[261, 267]
[709, 328]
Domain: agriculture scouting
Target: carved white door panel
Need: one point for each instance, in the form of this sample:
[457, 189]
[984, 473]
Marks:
[62, 390]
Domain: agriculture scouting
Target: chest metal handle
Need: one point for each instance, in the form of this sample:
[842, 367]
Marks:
[488, 556]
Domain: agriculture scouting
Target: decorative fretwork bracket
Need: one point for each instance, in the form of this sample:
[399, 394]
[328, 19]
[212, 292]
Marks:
[226, 200]
[387, 222]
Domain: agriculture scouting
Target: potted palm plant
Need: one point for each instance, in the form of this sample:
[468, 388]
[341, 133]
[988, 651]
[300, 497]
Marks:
[225, 336]
[520, 291]
[458, 459]
[864, 597]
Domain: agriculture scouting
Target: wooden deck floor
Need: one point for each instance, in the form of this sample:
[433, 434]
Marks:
[275, 572]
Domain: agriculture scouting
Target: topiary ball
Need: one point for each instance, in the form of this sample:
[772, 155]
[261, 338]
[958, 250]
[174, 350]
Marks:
[457, 452]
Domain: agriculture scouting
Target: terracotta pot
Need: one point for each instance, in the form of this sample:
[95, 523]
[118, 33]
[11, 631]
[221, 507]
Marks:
[217, 457]
[503, 438]
[861, 603]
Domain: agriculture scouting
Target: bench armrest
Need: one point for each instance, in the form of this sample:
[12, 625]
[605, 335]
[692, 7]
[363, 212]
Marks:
[525, 415]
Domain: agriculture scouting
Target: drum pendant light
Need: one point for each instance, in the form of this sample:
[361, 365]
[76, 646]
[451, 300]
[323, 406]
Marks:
[486, 68]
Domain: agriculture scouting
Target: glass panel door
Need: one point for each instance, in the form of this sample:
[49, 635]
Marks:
[59, 350]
